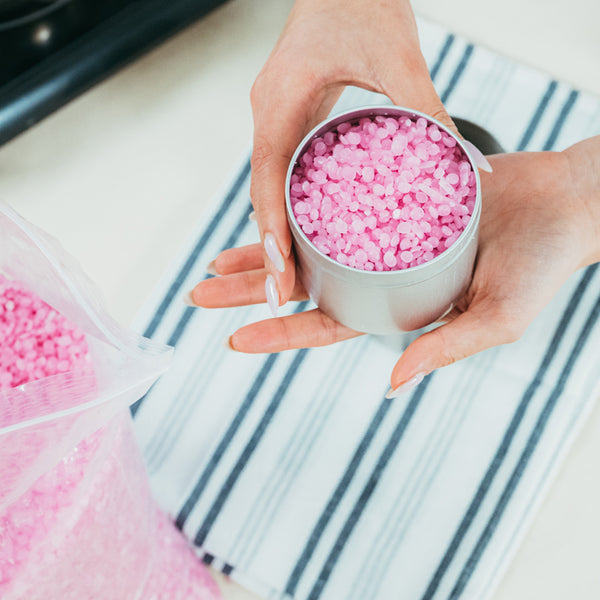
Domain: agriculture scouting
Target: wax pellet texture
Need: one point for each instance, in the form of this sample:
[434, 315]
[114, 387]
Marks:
[87, 528]
[37, 341]
[383, 193]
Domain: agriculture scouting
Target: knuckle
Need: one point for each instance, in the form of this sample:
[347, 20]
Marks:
[438, 111]
[284, 334]
[328, 330]
[262, 154]
[512, 332]
[272, 76]
[260, 164]
[448, 353]
[257, 89]
[248, 289]
[507, 327]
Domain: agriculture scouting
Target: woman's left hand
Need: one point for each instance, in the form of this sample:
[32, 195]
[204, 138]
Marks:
[539, 224]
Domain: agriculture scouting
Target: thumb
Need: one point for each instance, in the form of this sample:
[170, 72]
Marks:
[471, 332]
[419, 93]
[278, 130]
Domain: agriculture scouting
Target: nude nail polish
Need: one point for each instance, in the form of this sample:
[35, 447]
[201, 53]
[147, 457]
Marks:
[273, 252]
[187, 299]
[211, 268]
[272, 294]
[479, 159]
[408, 385]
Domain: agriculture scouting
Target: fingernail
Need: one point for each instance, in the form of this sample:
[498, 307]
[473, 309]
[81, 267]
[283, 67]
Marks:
[227, 343]
[273, 252]
[211, 267]
[442, 318]
[252, 217]
[187, 299]
[413, 382]
[272, 294]
[478, 158]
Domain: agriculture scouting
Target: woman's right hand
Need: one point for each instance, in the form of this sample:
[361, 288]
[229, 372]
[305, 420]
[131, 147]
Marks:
[324, 47]
[540, 222]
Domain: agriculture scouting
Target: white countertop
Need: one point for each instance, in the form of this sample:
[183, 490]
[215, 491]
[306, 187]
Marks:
[122, 175]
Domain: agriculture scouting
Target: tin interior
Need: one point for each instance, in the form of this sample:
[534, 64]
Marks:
[419, 272]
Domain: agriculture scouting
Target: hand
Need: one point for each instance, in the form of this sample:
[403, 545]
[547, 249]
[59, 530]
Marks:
[537, 228]
[539, 224]
[324, 47]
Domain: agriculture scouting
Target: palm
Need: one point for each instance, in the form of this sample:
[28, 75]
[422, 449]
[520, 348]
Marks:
[527, 249]
[523, 230]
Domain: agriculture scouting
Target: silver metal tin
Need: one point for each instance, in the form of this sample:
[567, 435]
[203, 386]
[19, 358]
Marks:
[383, 302]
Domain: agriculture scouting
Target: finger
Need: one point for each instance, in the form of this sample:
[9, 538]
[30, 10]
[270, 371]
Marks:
[302, 330]
[452, 314]
[237, 289]
[328, 99]
[236, 260]
[418, 92]
[475, 330]
[279, 128]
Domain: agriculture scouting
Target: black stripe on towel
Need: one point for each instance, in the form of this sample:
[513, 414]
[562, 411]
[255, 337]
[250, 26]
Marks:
[526, 455]
[262, 426]
[558, 125]
[458, 73]
[229, 434]
[189, 312]
[537, 116]
[509, 434]
[175, 287]
[225, 441]
[442, 56]
[336, 498]
[308, 430]
[360, 505]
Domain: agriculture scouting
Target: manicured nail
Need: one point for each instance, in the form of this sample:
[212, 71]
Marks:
[413, 382]
[272, 294]
[478, 158]
[187, 299]
[211, 267]
[442, 318]
[252, 217]
[273, 252]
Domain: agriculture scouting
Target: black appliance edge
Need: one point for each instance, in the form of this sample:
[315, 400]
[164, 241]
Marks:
[69, 72]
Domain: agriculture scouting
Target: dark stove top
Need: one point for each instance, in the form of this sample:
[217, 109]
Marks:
[53, 50]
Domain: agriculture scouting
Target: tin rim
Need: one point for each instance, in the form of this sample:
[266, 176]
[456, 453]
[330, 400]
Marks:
[389, 110]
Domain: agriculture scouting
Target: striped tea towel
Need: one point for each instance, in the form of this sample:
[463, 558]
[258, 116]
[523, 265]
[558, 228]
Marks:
[293, 474]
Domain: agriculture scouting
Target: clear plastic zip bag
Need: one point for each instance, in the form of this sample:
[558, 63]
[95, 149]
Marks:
[77, 520]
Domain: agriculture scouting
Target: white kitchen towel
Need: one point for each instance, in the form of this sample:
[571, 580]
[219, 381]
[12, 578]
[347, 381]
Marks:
[293, 474]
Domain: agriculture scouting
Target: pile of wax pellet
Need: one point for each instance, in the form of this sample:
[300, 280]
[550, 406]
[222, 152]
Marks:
[30, 522]
[383, 193]
[88, 527]
[37, 341]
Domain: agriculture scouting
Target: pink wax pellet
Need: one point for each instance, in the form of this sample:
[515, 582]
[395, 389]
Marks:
[87, 528]
[30, 330]
[382, 179]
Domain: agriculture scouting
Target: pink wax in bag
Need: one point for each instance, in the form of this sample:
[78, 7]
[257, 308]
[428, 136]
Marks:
[88, 527]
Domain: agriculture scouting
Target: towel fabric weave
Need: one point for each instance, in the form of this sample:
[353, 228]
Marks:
[292, 473]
